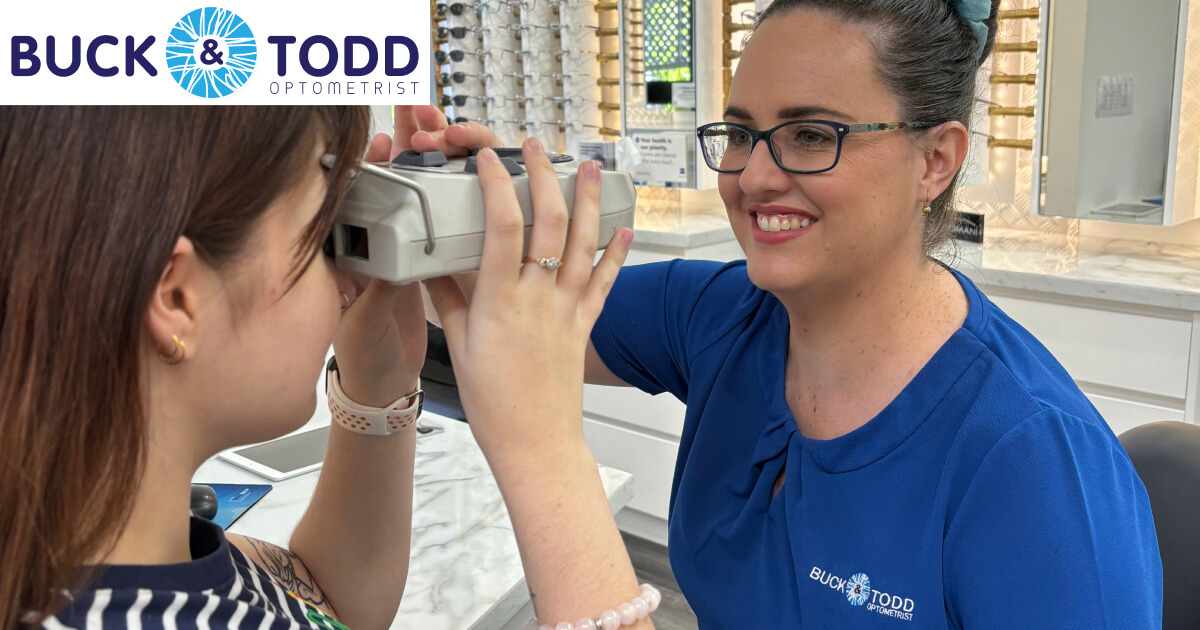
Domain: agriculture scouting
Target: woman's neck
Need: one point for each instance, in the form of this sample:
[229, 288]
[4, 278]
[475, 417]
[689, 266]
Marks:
[853, 349]
[158, 530]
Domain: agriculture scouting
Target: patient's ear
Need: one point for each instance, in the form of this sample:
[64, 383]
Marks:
[173, 304]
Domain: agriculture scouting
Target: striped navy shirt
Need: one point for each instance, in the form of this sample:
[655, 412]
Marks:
[221, 588]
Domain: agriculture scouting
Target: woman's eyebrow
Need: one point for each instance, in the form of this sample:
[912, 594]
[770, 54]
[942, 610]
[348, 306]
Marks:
[809, 111]
[734, 111]
[795, 112]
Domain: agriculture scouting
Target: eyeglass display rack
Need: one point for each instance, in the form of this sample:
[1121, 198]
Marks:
[574, 71]
[545, 68]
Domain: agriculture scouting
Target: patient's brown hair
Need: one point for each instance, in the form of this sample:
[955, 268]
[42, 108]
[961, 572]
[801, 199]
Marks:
[92, 202]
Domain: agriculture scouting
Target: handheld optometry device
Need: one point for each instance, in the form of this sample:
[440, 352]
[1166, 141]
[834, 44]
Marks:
[422, 215]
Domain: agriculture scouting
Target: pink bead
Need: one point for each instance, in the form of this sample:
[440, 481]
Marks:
[610, 620]
[652, 596]
[641, 607]
[628, 615]
[532, 625]
[587, 623]
[566, 625]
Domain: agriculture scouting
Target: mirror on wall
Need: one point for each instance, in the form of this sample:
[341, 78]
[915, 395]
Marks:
[660, 92]
[1110, 104]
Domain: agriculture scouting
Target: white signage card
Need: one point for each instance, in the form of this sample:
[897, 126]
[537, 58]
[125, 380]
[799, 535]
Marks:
[683, 95]
[664, 157]
[237, 52]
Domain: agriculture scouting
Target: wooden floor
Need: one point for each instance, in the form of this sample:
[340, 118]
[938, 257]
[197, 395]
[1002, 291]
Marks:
[650, 562]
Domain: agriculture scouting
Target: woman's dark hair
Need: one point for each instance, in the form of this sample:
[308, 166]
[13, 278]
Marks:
[926, 57]
[93, 201]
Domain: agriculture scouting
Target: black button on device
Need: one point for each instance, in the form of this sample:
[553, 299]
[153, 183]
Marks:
[412, 158]
[509, 164]
[510, 152]
[515, 154]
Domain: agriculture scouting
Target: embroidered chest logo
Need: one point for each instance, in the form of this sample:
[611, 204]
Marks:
[858, 593]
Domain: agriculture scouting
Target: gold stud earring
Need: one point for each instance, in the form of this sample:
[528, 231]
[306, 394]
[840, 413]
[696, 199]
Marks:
[178, 354]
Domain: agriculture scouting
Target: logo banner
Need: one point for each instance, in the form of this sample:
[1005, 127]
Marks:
[236, 52]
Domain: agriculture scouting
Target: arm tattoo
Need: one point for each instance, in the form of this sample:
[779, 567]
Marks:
[281, 564]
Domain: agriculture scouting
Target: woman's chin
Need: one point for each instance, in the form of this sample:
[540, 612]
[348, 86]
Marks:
[777, 275]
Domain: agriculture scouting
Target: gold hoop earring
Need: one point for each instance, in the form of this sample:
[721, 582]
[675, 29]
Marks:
[177, 355]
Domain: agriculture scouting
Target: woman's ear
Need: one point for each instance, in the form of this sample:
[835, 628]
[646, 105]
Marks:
[945, 150]
[171, 313]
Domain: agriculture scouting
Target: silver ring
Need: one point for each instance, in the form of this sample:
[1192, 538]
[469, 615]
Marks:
[550, 263]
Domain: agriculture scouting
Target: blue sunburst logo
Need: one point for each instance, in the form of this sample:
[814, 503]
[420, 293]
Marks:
[858, 589]
[211, 52]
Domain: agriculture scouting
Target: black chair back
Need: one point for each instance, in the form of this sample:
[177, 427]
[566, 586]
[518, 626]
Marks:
[1167, 458]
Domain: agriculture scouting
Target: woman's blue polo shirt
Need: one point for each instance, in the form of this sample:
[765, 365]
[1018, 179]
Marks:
[989, 494]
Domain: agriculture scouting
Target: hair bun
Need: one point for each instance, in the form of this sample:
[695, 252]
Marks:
[976, 13]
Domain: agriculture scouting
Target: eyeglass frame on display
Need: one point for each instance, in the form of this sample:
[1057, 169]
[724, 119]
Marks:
[458, 77]
[457, 32]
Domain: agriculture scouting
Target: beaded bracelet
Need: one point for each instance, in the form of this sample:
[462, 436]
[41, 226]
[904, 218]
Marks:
[626, 614]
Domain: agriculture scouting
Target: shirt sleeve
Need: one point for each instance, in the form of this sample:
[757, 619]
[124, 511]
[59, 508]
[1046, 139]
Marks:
[1055, 531]
[642, 333]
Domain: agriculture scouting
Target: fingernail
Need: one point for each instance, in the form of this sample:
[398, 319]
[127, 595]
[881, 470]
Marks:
[591, 170]
[626, 237]
[487, 155]
[345, 300]
[535, 145]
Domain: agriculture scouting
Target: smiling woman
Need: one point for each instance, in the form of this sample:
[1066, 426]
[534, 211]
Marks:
[868, 439]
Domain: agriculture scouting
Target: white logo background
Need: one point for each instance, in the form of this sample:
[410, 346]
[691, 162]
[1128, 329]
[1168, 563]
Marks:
[142, 18]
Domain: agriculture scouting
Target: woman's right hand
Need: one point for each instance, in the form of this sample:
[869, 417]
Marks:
[518, 345]
[518, 353]
[424, 128]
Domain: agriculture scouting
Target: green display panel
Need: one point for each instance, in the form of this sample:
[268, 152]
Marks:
[667, 39]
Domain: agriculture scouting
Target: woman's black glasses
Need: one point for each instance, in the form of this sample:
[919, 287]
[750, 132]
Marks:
[803, 147]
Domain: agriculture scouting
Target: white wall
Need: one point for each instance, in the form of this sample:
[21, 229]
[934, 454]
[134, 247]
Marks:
[1117, 159]
[1124, 158]
[1064, 69]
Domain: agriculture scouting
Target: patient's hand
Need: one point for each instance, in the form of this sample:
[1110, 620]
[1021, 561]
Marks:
[425, 128]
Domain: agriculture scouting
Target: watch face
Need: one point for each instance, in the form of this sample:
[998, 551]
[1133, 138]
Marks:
[330, 366]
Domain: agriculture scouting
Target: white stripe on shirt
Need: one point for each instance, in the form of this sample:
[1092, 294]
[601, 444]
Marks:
[133, 618]
[235, 621]
[206, 612]
[258, 588]
[173, 610]
[283, 599]
[236, 589]
[268, 617]
[95, 615]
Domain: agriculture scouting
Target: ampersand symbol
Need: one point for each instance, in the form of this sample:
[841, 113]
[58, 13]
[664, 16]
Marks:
[210, 54]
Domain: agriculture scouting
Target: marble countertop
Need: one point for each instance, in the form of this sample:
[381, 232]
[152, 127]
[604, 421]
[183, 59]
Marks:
[1133, 272]
[465, 571]
[683, 232]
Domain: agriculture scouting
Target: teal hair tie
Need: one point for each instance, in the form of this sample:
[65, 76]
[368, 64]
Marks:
[975, 13]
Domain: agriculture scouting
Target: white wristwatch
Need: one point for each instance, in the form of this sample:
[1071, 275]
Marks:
[396, 417]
